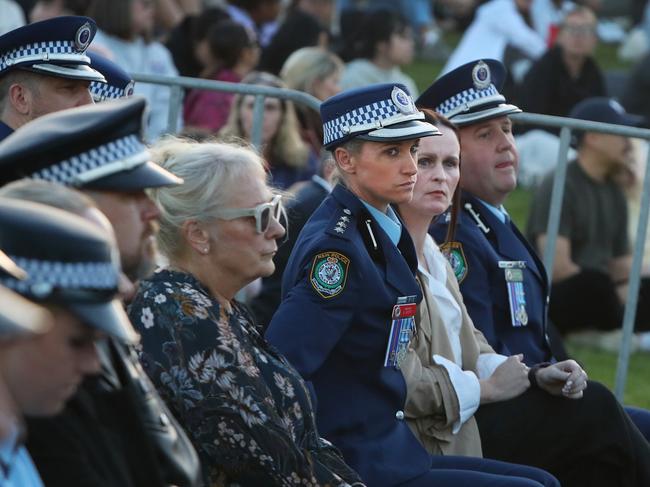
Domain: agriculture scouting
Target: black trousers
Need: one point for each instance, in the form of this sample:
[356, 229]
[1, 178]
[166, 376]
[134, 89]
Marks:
[584, 442]
[589, 300]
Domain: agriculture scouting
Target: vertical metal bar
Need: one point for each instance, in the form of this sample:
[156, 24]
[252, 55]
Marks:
[633, 289]
[175, 101]
[557, 195]
[258, 122]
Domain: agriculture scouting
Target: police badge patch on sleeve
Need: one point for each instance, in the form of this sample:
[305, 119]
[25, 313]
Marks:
[453, 251]
[329, 273]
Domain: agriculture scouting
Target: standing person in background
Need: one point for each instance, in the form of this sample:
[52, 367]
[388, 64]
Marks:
[126, 32]
[33, 86]
[497, 24]
[349, 280]
[228, 53]
[316, 71]
[379, 46]
[286, 154]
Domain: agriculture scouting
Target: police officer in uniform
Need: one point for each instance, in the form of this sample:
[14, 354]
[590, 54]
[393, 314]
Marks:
[99, 149]
[350, 295]
[504, 286]
[44, 68]
[70, 268]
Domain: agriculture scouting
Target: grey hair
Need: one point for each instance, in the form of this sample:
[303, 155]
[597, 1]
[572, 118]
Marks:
[307, 65]
[211, 171]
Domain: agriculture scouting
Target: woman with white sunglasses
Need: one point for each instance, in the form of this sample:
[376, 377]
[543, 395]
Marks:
[246, 409]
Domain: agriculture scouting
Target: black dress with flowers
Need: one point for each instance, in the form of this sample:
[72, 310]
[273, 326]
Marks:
[246, 409]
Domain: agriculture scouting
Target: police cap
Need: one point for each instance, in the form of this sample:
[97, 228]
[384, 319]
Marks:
[118, 82]
[469, 94]
[55, 47]
[96, 146]
[383, 112]
[68, 261]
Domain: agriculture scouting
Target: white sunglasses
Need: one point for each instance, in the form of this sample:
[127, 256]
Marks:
[262, 213]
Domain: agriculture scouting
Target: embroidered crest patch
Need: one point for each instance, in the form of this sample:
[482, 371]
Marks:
[453, 251]
[329, 273]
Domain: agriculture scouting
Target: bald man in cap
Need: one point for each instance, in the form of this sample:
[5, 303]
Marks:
[44, 68]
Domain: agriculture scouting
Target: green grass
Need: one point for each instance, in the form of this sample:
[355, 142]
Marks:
[601, 366]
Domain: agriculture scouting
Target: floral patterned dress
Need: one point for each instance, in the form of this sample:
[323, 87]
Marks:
[246, 409]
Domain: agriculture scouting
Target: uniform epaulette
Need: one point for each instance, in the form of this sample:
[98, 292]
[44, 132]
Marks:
[477, 218]
[339, 224]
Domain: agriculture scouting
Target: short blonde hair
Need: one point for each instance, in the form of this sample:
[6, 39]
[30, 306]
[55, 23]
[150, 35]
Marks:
[307, 65]
[211, 171]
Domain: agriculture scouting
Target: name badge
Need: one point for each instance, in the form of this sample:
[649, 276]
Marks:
[402, 328]
[514, 274]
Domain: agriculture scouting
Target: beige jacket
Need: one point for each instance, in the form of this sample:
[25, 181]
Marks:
[431, 403]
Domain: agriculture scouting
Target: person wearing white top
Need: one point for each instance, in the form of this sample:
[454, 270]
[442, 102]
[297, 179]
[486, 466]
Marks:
[496, 25]
[461, 396]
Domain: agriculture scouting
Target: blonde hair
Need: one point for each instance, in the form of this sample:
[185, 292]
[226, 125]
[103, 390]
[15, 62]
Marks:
[307, 65]
[211, 171]
[287, 145]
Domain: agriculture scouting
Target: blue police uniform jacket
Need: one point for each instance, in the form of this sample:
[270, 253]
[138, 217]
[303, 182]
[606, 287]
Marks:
[481, 242]
[337, 337]
[5, 131]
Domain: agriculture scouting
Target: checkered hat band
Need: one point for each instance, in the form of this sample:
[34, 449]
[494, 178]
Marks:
[103, 91]
[50, 50]
[70, 172]
[67, 275]
[464, 97]
[365, 115]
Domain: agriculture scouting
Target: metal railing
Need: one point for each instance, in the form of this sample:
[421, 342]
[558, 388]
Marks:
[566, 125]
[178, 83]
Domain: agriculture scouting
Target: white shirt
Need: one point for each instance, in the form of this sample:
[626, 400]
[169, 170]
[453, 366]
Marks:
[12, 16]
[496, 25]
[466, 383]
[138, 56]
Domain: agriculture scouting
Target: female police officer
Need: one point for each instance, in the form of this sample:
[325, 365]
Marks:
[349, 297]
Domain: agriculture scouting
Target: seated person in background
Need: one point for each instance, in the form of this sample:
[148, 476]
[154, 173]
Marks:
[381, 43]
[247, 411]
[228, 53]
[285, 153]
[453, 375]
[350, 274]
[564, 76]
[316, 71]
[592, 254]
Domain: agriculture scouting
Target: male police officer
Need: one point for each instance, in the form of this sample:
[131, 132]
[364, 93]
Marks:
[504, 287]
[98, 148]
[44, 68]
[71, 269]
[20, 319]
[350, 295]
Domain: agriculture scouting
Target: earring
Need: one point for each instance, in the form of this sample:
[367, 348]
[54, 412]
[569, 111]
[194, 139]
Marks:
[204, 250]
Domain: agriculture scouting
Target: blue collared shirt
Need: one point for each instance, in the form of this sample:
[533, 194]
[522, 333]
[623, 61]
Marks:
[16, 466]
[500, 212]
[388, 222]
